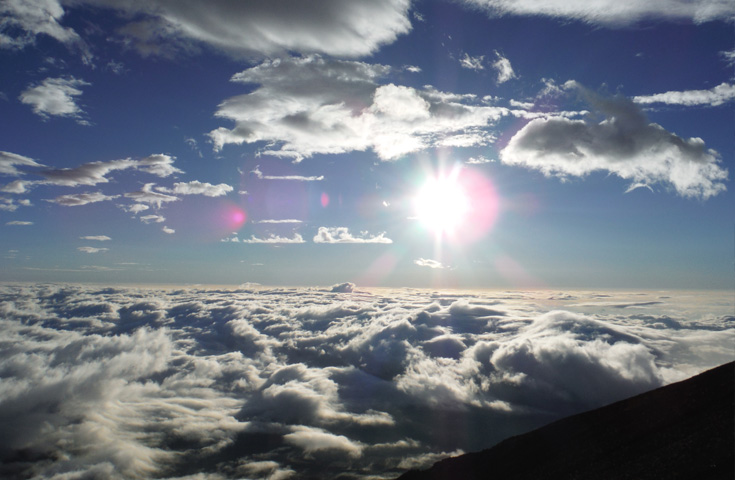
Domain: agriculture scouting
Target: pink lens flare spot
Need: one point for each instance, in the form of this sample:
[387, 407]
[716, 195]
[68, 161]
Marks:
[236, 217]
[325, 199]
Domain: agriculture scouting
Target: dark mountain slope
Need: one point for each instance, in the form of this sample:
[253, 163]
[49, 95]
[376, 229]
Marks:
[684, 430]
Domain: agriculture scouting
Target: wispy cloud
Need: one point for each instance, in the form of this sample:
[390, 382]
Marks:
[611, 12]
[77, 199]
[472, 63]
[18, 222]
[503, 68]
[147, 195]
[275, 239]
[197, 188]
[298, 178]
[9, 161]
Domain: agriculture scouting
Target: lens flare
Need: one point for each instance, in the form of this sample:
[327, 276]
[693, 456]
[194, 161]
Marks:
[461, 206]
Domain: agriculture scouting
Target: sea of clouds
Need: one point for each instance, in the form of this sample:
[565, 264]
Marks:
[339, 382]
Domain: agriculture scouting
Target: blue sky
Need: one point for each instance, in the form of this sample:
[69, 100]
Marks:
[576, 145]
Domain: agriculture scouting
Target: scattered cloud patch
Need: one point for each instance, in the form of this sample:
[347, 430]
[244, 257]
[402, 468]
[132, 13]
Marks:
[168, 230]
[623, 143]
[197, 188]
[343, 235]
[56, 97]
[147, 195]
[18, 222]
[152, 219]
[276, 239]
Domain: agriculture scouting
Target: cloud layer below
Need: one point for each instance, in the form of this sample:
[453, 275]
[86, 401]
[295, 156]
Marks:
[286, 383]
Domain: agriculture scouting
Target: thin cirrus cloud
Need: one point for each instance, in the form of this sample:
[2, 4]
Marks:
[612, 13]
[9, 163]
[56, 97]
[271, 239]
[503, 68]
[98, 238]
[472, 63]
[93, 173]
[246, 28]
[327, 106]
[624, 143]
[297, 178]
[271, 383]
[92, 249]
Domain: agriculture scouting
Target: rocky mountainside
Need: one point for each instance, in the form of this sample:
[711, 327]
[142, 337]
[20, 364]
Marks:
[684, 430]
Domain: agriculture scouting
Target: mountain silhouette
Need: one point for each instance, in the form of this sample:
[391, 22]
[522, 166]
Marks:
[685, 430]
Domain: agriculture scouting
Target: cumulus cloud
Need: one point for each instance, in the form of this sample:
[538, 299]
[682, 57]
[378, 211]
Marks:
[270, 383]
[77, 199]
[624, 143]
[56, 97]
[343, 235]
[9, 162]
[347, 287]
[612, 13]
[503, 68]
[713, 97]
[427, 262]
[312, 105]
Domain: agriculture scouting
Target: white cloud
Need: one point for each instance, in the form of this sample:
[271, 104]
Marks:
[16, 186]
[77, 199]
[36, 17]
[312, 105]
[343, 235]
[334, 27]
[98, 238]
[92, 249]
[56, 97]
[9, 161]
[503, 68]
[198, 188]
[428, 262]
[298, 178]
[18, 222]
[135, 208]
[472, 63]
[93, 173]
[287, 220]
[297, 238]
[478, 160]
[152, 219]
[612, 12]
[624, 143]
[253, 382]
[168, 230]
[147, 195]
[314, 440]
[722, 93]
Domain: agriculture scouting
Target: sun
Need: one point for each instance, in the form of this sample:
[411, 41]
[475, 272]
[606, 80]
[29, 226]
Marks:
[442, 204]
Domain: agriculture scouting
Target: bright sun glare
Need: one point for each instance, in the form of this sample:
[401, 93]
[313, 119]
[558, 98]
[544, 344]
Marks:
[442, 204]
